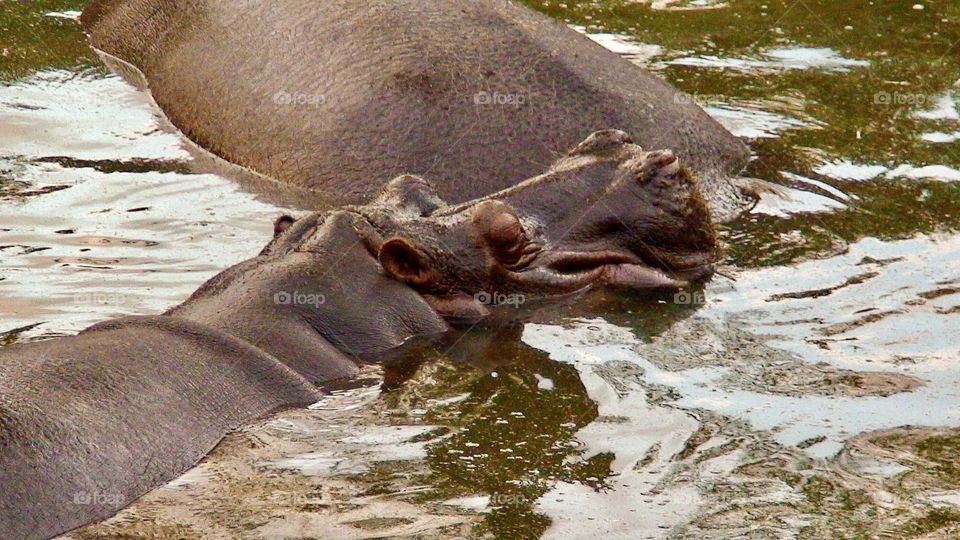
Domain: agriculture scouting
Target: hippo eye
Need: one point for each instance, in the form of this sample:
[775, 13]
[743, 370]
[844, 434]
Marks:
[501, 231]
[505, 232]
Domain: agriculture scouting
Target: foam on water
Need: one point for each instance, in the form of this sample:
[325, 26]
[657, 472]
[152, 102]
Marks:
[944, 108]
[641, 430]
[940, 137]
[832, 190]
[83, 116]
[940, 173]
[843, 169]
[687, 5]
[786, 201]
[69, 14]
[478, 503]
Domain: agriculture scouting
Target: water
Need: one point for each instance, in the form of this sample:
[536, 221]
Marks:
[770, 406]
[104, 213]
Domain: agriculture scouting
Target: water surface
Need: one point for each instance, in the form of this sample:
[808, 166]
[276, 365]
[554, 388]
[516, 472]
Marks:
[768, 404]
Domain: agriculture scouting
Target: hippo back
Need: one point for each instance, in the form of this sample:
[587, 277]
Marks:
[339, 96]
[91, 422]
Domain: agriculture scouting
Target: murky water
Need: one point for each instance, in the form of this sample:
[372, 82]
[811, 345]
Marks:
[770, 404]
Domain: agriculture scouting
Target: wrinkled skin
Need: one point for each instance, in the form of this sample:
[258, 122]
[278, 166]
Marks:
[338, 96]
[89, 423]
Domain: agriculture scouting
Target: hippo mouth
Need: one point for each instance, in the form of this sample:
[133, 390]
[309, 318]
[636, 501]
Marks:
[569, 271]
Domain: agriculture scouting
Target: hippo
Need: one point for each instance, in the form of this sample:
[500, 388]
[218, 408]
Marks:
[336, 97]
[89, 423]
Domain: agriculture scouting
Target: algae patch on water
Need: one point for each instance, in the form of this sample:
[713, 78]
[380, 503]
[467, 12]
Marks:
[31, 39]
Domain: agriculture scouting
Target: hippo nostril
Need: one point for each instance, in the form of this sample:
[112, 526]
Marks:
[662, 158]
[672, 166]
[661, 162]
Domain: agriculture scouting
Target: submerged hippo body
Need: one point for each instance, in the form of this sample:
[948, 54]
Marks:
[89, 423]
[340, 95]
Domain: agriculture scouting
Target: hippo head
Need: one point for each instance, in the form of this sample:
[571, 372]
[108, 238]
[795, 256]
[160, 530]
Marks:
[608, 214]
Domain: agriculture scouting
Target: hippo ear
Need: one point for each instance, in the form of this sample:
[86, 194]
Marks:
[401, 259]
[282, 223]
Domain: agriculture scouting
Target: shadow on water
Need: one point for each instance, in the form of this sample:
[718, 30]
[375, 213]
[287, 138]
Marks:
[511, 411]
[511, 439]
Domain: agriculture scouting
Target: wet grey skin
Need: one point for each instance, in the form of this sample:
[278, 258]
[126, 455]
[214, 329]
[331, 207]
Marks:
[337, 97]
[89, 423]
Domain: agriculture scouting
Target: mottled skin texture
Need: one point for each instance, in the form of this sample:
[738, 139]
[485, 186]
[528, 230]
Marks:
[130, 404]
[340, 95]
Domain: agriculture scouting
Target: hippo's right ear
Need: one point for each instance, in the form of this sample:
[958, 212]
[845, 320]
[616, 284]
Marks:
[402, 260]
[282, 223]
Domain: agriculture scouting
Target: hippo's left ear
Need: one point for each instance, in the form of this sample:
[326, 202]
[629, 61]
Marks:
[402, 260]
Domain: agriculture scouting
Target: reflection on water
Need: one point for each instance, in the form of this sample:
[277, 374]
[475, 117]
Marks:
[822, 59]
[811, 356]
[102, 216]
[827, 82]
[886, 307]
[862, 115]
[618, 415]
